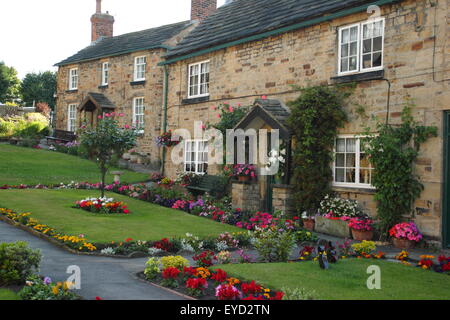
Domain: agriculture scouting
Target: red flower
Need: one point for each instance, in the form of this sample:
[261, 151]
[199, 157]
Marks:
[170, 273]
[220, 276]
[251, 288]
[278, 296]
[192, 271]
[128, 239]
[196, 283]
[98, 298]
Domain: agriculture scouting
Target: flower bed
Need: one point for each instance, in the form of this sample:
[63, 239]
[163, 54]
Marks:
[77, 243]
[205, 284]
[102, 206]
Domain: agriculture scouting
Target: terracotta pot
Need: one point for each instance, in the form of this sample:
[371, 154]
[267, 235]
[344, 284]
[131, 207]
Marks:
[361, 235]
[243, 178]
[403, 243]
[309, 224]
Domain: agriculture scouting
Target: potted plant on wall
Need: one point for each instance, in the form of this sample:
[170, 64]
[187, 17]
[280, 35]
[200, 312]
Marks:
[362, 228]
[244, 172]
[308, 221]
[405, 235]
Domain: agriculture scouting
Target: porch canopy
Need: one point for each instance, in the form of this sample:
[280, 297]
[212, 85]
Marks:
[97, 101]
[271, 114]
[267, 113]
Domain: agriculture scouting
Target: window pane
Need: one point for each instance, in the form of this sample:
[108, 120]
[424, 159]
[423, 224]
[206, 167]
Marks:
[365, 176]
[377, 59]
[367, 45]
[344, 50]
[367, 61]
[354, 34]
[339, 175]
[354, 48]
[340, 160]
[344, 65]
[377, 43]
[351, 145]
[350, 160]
[345, 36]
[353, 65]
[340, 145]
[350, 175]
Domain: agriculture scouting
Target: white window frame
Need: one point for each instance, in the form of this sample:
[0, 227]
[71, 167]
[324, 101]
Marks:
[357, 183]
[139, 115]
[73, 79]
[199, 81]
[105, 73]
[197, 162]
[72, 117]
[137, 66]
[359, 61]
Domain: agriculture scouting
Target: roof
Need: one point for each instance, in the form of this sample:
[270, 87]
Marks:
[271, 111]
[245, 18]
[99, 100]
[130, 42]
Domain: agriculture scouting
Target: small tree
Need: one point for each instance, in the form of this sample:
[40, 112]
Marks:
[107, 140]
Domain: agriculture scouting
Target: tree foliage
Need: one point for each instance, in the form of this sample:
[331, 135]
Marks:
[9, 83]
[316, 116]
[39, 87]
[106, 141]
[393, 151]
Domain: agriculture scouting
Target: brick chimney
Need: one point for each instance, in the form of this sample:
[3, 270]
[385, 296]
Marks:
[200, 9]
[102, 23]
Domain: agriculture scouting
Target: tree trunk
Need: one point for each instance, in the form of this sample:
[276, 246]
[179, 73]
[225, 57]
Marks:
[102, 185]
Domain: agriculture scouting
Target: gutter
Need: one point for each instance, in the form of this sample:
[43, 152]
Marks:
[267, 34]
[164, 125]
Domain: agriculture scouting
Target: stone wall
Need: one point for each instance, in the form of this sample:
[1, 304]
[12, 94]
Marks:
[282, 199]
[245, 196]
[120, 91]
[242, 73]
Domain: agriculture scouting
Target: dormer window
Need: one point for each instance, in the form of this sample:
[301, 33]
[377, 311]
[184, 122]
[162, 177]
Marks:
[73, 79]
[140, 64]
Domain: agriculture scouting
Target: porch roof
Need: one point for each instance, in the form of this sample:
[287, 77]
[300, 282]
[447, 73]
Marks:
[96, 101]
[273, 112]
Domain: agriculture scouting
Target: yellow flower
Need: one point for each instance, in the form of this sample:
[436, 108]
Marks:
[55, 290]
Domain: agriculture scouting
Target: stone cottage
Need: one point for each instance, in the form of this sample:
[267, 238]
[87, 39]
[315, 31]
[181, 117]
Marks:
[120, 74]
[251, 52]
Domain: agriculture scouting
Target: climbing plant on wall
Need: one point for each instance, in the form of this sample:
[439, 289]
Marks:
[316, 115]
[393, 151]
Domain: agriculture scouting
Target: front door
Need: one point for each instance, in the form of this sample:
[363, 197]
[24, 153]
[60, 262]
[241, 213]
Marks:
[446, 192]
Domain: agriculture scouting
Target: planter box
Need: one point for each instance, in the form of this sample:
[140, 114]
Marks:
[336, 228]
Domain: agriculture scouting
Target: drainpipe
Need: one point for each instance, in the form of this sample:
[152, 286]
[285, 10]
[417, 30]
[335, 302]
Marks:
[164, 126]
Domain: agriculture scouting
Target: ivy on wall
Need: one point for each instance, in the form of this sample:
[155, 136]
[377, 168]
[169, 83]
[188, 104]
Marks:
[316, 116]
[393, 151]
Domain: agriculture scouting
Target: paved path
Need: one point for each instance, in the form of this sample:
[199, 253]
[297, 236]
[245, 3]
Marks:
[108, 278]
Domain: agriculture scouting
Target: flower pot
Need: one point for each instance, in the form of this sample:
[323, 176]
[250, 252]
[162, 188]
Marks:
[361, 235]
[403, 243]
[309, 224]
[243, 178]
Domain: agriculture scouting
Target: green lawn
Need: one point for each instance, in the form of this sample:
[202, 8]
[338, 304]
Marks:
[19, 165]
[147, 221]
[347, 279]
[6, 294]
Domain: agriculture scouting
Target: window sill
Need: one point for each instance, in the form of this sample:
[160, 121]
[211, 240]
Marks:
[72, 91]
[354, 189]
[361, 76]
[195, 100]
[137, 83]
[105, 86]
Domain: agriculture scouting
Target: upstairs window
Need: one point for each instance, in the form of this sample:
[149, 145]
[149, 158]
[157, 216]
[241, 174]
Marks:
[105, 74]
[198, 80]
[361, 47]
[72, 118]
[196, 156]
[73, 79]
[140, 64]
[352, 167]
[138, 113]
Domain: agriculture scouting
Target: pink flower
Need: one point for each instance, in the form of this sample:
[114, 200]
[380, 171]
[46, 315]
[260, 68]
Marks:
[121, 115]
[264, 97]
[219, 116]
[231, 109]
[107, 115]
[100, 117]
[127, 126]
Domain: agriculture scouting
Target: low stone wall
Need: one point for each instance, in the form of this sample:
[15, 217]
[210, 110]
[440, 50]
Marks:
[282, 199]
[245, 196]
[336, 228]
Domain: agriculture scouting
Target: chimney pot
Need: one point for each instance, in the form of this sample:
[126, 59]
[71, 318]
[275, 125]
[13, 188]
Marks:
[99, 6]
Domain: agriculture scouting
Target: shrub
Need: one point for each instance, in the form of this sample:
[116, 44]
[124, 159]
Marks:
[274, 246]
[340, 207]
[175, 262]
[152, 268]
[364, 247]
[298, 294]
[17, 262]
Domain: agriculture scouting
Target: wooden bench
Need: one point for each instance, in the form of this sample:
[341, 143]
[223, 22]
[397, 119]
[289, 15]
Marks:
[62, 136]
[210, 184]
